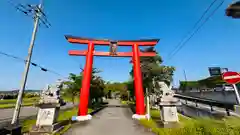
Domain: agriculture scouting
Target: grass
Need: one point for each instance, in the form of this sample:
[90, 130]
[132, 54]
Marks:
[127, 102]
[27, 124]
[155, 113]
[188, 126]
[200, 126]
[63, 115]
[64, 130]
[10, 103]
[5, 106]
[69, 99]
[69, 113]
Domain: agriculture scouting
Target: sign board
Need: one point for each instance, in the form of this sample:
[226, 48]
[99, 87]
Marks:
[223, 70]
[215, 71]
[45, 116]
[231, 77]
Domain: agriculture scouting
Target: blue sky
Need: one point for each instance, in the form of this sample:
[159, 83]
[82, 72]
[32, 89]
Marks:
[216, 43]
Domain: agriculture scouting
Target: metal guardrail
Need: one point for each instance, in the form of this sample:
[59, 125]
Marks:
[211, 103]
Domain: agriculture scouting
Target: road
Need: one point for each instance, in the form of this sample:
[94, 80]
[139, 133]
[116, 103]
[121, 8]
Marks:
[110, 121]
[6, 114]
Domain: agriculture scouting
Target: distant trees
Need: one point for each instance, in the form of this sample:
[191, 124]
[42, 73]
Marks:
[210, 82]
[116, 88]
[14, 94]
[188, 85]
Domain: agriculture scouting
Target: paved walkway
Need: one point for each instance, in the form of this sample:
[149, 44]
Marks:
[110, 121]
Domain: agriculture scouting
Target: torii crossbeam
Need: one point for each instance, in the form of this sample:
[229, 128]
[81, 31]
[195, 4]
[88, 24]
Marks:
[90, 52]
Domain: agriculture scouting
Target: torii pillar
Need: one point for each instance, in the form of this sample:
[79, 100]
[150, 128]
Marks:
[135, 54]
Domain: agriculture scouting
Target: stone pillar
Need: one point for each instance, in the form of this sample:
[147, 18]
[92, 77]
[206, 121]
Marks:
[49, 106]
[168, 106]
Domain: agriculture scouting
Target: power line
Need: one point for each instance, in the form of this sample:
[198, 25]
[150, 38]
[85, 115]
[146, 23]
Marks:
[198, 28]
[32, 10]
[194, 26]
[32, 63]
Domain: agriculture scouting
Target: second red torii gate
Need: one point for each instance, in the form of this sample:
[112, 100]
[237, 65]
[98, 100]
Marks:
[90, 52]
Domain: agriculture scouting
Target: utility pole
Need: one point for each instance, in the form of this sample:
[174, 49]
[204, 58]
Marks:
[37, 13]
[185, 77]
[148, 105]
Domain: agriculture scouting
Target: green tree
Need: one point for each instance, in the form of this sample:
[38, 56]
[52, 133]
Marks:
[96, 88]
[73, 86]
[188, 85]
[153, 71]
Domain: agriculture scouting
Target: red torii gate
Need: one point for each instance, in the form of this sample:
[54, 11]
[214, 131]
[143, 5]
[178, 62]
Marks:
[90, 52]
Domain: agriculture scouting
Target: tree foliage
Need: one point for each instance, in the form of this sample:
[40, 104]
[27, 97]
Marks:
[74, 85]
[153, 71]
[185, 85]
[115, 86]
[210, 82]
[97, 87]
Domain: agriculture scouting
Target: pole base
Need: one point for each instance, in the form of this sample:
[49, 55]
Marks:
[81, 118]
[139, 117]
[13, 130]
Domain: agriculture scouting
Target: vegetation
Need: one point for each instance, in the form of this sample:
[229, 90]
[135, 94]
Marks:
[25, 100]
[71, 93]
[210, 82]
[117, 88]
[201, 126]
[5, 106]
[68, 115]
[75, 83]
[13, 94]
[10, 103]
[152, 72]
[185, 85]
[73, 87]
[27, 124]
[63, 115]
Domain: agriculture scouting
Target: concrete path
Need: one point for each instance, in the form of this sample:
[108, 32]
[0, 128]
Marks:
[110, 121]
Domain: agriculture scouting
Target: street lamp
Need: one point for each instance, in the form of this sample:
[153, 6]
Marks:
[233, 10]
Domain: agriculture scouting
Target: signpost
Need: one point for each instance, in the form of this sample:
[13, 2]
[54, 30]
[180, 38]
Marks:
[232, 78]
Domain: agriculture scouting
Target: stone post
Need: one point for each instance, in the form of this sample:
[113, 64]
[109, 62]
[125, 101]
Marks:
[168, 106]
[49, 106]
